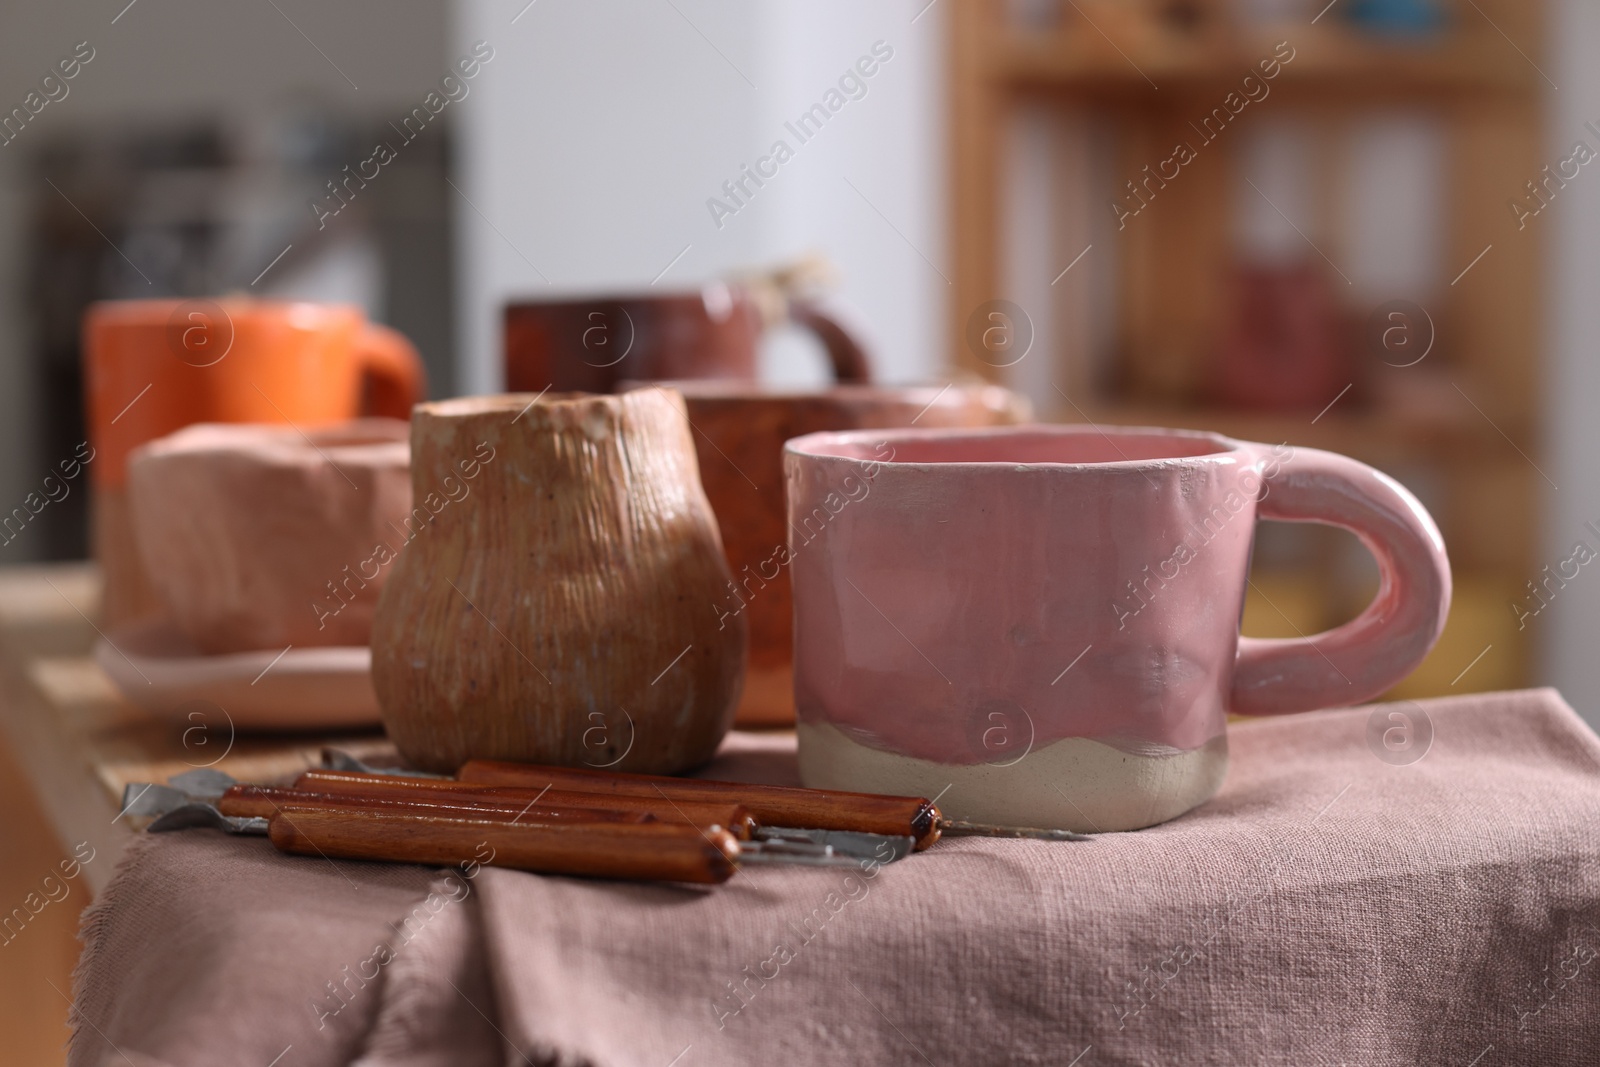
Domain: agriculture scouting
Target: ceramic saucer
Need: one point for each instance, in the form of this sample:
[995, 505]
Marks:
[158, 669]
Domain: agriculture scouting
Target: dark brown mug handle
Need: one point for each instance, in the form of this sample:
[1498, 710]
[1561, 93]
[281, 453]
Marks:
[849, 359]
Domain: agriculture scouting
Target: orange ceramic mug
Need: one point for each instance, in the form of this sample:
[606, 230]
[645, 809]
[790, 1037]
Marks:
[155, 366]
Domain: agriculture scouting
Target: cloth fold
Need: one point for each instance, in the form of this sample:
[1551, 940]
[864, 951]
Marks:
[1333, 904]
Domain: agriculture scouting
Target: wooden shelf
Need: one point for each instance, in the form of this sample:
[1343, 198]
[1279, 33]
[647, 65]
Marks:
[1094, 106]
[1363, 433]
[1328, 59]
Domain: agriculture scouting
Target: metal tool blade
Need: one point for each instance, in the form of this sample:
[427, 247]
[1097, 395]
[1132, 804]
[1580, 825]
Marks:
[205, 783]
[173, 809]
[335, 759]
[861, 846]
[762, 852]
[962, 828]
[149, 800]
[201, 814]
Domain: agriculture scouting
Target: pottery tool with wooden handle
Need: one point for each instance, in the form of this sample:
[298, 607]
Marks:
[247, 808]
[635, 852]
[208, 784]
[261, 801]
[724, 813]
[590, 841]
[769, 804]
[524, 806]
[847, 839]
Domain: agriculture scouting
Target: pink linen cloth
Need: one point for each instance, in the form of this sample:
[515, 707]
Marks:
[1326, 907]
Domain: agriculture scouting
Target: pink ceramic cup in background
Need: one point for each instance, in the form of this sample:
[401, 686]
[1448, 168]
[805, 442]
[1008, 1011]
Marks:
[1040, 624]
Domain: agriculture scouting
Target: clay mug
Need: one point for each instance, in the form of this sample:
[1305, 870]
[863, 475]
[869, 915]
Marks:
[1041, 624]
[155, 366]
[595, 343]
[560, 613]
[740, 428]
[260, 536]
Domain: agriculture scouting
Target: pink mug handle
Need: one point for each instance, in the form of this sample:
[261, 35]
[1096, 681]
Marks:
[1370, 653]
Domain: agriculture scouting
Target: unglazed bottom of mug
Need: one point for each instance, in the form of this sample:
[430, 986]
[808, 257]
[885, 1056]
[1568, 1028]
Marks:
[1071, 784]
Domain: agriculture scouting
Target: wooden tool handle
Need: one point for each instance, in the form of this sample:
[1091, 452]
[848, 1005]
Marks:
[770, 805]
[261, 801]
[722, 811]
[644, 853]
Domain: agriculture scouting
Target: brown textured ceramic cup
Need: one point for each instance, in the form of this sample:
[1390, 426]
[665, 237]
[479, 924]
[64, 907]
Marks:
[556, 614]
[740, 428]
[593, 344]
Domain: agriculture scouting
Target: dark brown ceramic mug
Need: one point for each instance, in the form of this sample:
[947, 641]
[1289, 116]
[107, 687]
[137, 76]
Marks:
[592, 344]
[740, 429]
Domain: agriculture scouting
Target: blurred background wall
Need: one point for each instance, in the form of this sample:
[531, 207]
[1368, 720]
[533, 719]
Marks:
[587, 149]
[604, 128]
[194, 140]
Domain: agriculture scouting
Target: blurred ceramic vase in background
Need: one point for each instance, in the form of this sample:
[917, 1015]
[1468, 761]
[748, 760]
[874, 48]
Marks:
[1287, 345]
[563, 611]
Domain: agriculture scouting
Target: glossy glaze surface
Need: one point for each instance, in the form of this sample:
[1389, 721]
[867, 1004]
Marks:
[155, 366]
[967, 597]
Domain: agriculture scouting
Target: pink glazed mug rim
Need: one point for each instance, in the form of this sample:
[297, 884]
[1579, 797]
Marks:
[831, 444]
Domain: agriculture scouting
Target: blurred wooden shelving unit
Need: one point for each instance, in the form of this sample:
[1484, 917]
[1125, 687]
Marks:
[1329, 59]
[1462, 429]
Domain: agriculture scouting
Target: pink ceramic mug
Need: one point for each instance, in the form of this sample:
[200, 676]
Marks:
[1040, 624]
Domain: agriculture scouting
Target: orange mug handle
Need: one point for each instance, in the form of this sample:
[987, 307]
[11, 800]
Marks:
[392, 369]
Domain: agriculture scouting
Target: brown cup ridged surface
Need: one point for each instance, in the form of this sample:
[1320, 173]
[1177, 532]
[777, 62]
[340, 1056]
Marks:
[557, 607]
